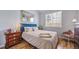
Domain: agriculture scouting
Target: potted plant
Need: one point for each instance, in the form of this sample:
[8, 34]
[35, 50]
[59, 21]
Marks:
[40, 27]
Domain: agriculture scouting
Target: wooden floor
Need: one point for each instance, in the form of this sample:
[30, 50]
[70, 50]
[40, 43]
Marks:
[65, 45]
[62, 44]
[22, 45]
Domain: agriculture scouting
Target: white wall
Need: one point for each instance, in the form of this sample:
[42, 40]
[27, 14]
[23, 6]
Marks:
[67, 17]
[9, 18]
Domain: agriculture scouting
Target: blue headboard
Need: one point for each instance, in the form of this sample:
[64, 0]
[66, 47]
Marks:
[27, 25]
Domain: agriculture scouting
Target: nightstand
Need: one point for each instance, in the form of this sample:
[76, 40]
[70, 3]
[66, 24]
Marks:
[12, 39]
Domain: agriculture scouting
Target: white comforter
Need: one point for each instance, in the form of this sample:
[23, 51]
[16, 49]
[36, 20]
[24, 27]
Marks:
[41, 43]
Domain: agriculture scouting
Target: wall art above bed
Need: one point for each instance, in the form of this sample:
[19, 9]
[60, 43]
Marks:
[27, 17]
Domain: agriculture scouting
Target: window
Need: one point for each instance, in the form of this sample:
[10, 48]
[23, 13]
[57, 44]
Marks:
[54, 19]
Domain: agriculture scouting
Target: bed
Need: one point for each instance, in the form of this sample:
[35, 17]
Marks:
[34, 39]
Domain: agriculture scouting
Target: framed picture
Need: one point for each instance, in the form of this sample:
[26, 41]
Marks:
[27, 17]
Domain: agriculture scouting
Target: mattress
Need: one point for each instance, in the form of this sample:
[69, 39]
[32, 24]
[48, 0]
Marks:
[41, 43]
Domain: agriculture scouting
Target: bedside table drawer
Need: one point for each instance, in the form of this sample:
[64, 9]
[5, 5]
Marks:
[12, 39]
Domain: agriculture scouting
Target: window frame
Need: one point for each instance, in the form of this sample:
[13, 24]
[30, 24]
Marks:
[52, 17]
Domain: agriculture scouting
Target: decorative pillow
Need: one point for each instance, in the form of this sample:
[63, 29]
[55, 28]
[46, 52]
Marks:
[27, 29]
[34, 28]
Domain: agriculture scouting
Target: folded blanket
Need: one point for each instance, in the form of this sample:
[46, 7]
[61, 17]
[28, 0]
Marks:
[45, 35]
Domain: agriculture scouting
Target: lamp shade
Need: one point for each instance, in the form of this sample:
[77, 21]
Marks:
[74, 20]
[17, 27]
